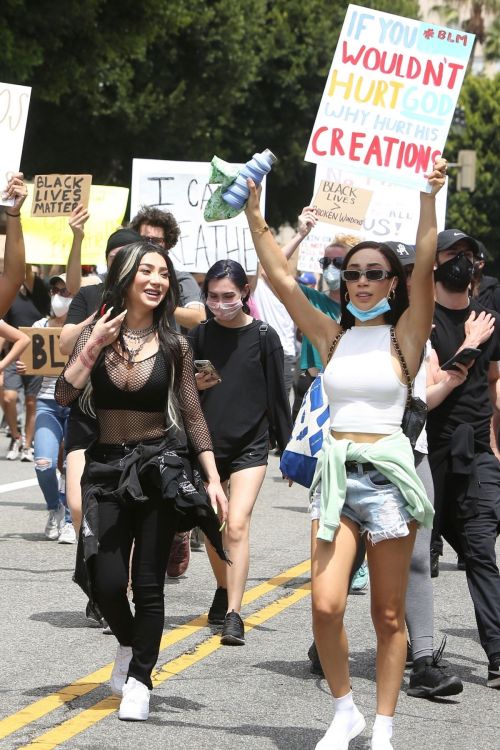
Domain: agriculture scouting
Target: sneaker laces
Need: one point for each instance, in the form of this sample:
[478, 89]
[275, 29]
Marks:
[438, 654]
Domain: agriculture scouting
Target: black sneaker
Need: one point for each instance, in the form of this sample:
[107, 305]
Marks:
[313, 655]
[218, 609]
[233, 630]
[494, 675]
[434, 564]
[429, 677]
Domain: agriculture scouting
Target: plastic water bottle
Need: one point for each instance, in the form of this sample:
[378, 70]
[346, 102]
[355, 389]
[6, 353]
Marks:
[258, 166]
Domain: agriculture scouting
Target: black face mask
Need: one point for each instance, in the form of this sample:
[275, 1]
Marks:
[456, 274]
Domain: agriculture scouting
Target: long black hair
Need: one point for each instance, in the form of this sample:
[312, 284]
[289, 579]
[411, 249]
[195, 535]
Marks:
[118, 280]
[232, 270]
[400, 300]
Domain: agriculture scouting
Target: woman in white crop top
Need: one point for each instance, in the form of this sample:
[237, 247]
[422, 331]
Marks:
[366, 478]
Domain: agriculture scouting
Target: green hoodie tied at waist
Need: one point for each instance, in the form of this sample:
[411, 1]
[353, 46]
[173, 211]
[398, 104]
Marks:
[391, 455]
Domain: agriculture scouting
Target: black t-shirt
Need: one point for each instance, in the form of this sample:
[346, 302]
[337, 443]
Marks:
[29, 306]
[84, 303]
[489, 293]
[470, 402]
[236, 408]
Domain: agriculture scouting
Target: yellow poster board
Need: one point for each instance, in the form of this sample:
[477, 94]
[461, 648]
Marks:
[48, 240]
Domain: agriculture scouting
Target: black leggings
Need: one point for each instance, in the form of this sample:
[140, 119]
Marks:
[149, 526]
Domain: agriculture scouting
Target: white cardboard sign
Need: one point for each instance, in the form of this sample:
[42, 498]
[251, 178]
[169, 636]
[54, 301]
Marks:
[14, 104]
[182, 188]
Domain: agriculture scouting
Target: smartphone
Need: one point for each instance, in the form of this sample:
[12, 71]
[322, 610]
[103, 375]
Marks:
[205, 366]
[463, 357]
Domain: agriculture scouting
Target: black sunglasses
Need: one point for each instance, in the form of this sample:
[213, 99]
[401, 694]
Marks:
[371, 274]
[335, 262]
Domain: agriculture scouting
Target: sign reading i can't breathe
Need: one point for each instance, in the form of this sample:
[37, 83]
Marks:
[390, 96]
[60, 194]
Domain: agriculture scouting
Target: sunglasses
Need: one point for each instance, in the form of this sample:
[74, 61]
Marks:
[370, 274]
[335, 262]
[155, 240]
[60, 290]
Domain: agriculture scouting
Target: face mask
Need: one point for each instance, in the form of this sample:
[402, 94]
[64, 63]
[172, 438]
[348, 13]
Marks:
[225, 310]
[456, 274]
[60, 305]
[332, 277]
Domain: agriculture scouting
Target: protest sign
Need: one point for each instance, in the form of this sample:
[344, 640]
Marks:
[341, 204]
[182, 188]
[14, 103]
[48, 239]
[60, 194]
[390, 96]
[43, 356]
[392, 215]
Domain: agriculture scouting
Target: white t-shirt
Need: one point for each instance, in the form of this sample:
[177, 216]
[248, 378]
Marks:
[274, 312]
[48, 386]
[420, 391]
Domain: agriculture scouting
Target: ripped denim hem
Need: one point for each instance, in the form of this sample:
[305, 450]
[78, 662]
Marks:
[397, 531]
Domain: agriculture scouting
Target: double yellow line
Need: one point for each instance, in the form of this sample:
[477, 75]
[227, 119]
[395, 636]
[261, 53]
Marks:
[103, 708]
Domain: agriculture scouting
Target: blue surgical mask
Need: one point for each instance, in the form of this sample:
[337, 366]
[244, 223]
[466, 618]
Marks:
[331, 276]
[363, 315]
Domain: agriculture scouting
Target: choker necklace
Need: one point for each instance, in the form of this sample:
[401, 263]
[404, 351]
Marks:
[138, 335]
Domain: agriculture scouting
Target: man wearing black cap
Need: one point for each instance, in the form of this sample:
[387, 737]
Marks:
[486, 289]
[461, 400]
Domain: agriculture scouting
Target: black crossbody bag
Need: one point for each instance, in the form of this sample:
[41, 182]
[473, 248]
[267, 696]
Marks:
[415, 413]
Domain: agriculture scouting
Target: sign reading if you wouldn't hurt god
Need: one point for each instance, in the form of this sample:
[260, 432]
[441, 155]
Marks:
[182, 188]
[390, 96]
[60, 194]
[14, 104]
[43, 356]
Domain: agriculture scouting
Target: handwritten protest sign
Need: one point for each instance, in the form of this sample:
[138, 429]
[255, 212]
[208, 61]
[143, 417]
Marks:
[183, 189]
[60, 194]
[14, 104]
[48, 239]
[341, 204]
[392, 215]
[43, 356]
[390, 96]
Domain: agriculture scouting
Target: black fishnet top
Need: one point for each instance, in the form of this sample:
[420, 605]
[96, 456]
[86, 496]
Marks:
[130, 398]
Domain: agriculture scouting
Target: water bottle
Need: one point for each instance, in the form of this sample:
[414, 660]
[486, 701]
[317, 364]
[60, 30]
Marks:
[258, 166]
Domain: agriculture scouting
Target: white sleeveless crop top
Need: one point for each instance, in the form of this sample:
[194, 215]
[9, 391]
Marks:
[363, 390]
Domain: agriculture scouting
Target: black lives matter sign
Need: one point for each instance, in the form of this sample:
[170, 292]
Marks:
[60, 194]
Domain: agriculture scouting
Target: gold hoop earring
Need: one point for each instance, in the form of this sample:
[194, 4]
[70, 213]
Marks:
[346, 296]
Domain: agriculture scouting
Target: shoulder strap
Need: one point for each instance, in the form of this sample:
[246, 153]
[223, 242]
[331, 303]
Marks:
[404, 366]
[200, 339]
[334, 344]
[263, 328]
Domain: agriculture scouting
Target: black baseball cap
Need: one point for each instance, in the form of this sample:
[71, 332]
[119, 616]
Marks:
[120, 238]
[405, 253]
[449, 237]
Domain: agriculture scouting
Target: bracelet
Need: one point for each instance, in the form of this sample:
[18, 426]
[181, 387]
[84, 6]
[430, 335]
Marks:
[13, 215]
[263, 229]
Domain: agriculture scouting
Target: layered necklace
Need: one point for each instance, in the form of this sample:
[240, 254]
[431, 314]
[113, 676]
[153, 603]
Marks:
[137, 336]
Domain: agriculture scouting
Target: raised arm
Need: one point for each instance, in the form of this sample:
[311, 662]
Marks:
[318, 327]
[14, 258]
[77, 221]
[306, 221]
[414, 326]
[20, 341]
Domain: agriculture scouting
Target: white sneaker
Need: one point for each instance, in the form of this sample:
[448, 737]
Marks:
[120, 669]
[27, 454]
[53, 525]
[67, 534]
[14, 449]
[135, 701]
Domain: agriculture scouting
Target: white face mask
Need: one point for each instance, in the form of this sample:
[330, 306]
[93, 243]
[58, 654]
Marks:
[331, 276]
[60, 305]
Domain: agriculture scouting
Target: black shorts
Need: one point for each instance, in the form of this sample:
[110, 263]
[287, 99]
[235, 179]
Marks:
[254, 454]
[81, 430]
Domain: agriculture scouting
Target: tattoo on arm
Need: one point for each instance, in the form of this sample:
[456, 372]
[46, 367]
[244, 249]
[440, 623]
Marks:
[89, 354]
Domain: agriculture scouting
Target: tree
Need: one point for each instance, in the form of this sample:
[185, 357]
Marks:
[477, 213]
[480, 11]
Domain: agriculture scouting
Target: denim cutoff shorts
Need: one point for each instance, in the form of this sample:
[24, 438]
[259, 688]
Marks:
[372, 502]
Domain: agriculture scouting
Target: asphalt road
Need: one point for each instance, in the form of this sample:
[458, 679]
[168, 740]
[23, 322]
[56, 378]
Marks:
[54, 667]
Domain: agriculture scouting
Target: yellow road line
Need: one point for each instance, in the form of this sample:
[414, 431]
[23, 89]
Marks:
[84, 685]
[71, 727]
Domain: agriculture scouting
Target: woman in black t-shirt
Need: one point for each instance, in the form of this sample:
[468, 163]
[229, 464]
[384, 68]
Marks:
[244, 401]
